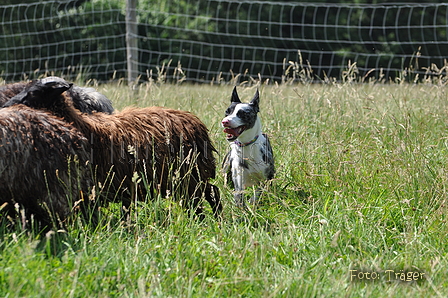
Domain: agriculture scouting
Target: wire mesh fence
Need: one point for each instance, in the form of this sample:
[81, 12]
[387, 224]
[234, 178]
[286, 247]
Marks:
[209, 41]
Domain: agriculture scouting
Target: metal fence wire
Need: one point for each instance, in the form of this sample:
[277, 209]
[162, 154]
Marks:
[210, 41]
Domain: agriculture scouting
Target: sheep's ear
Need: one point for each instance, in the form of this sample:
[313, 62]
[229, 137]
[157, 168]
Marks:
[235, 97]
[255, 102]
[17, 99]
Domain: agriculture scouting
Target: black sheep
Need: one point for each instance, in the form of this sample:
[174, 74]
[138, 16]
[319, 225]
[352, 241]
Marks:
[85, 99]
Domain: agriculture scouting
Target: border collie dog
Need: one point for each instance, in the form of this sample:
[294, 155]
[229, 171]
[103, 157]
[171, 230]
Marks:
[250, 161]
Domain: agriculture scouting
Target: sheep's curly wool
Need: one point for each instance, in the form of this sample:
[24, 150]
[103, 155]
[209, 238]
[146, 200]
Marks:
[170, 149]
[38, 168]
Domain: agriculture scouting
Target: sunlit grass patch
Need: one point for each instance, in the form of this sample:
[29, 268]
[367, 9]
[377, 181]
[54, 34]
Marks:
[361, 183]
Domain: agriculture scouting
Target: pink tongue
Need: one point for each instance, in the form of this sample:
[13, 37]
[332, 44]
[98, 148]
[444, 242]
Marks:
[235, 132]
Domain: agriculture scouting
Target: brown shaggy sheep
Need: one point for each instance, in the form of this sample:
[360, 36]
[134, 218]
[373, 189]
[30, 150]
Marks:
[38, 167]
[10, 90]
[86, 100]
[169, 149]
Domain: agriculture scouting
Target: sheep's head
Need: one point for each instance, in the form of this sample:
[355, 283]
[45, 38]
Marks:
[40, 93]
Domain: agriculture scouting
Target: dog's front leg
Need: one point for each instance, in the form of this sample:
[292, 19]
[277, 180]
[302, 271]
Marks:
[238, 194]
[254, 199]
[239, 198]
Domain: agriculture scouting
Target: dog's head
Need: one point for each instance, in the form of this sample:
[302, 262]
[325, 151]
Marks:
[240, 117]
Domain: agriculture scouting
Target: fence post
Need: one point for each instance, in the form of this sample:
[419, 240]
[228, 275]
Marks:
[131, 41]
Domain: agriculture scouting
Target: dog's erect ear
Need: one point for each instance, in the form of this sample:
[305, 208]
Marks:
[255, 102]
[235, 97]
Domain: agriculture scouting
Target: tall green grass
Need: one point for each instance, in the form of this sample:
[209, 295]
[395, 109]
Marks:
[360, 185]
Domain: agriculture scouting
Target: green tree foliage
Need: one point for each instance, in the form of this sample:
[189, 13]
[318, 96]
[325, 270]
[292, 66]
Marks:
[76, 34]
[168, 26]
[67, 37]
[336, 33]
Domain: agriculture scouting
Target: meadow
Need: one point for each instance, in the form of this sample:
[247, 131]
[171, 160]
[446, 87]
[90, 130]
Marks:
[358, 206]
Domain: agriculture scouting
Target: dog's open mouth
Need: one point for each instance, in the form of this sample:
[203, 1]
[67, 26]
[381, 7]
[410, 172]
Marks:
[233, 133]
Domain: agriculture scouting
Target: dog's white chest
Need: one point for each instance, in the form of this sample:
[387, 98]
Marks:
[248, 164]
